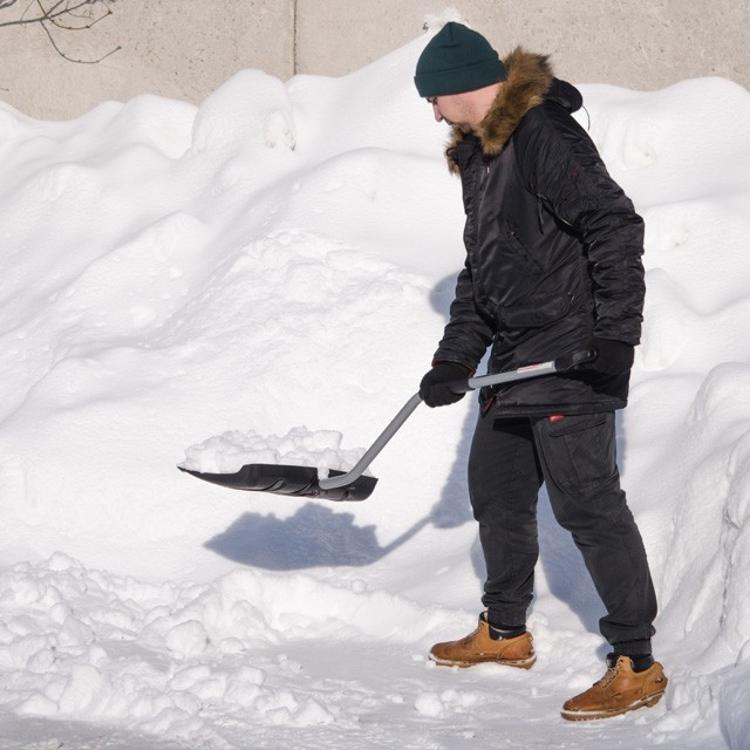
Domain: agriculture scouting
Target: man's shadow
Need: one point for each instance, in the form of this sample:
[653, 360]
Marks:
[318, 536]
[564, 569]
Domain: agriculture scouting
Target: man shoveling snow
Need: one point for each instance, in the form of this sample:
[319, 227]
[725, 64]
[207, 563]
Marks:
[553, 265]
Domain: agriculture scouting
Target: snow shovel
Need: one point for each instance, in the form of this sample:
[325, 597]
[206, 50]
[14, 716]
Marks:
[354, 485]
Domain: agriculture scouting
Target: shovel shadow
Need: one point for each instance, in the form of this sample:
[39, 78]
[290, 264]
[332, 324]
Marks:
[314, 536]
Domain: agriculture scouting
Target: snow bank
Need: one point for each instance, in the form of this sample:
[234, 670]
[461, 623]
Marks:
[284, 254]
[161, 658]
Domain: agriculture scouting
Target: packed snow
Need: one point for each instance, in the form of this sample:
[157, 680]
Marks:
[230, 451]
[284, 255]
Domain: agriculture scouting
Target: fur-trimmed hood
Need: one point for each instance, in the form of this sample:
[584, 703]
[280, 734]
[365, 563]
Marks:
[530, 80]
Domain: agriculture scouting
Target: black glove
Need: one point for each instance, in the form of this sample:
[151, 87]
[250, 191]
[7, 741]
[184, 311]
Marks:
[612, 357]
[434, 386]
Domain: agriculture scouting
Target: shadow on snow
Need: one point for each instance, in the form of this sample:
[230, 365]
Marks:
[313, 536]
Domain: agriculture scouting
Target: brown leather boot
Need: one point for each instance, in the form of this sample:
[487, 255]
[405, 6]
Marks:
[478, 648]
[620, 690]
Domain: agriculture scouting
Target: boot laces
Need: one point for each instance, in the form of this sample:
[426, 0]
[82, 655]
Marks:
[609, 675]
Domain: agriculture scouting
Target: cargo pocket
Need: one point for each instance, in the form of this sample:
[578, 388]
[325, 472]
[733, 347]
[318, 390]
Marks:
[579, 452]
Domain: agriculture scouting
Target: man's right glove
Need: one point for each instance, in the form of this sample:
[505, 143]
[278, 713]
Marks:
[434, 389]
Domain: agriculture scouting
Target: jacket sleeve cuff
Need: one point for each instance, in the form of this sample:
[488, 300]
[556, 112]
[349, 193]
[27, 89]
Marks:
[469, 370]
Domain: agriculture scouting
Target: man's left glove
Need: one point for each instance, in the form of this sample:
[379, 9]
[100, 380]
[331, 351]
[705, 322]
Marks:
[612, 357]
[434, 388]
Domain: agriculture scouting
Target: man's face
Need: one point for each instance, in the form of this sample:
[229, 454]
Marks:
[467, 109]
[455, 109]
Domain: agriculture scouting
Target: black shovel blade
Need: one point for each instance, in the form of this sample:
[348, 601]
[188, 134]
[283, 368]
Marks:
[295, 481]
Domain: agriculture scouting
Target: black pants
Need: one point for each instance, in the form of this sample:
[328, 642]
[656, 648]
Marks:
[576, 458]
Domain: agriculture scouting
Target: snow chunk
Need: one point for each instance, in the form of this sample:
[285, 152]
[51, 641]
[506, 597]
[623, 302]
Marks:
[429, 704]
[433, 22]
[312, 714]
[187, 639]
[251, 108]
[37, 705]
[86, 690]
[230, 451]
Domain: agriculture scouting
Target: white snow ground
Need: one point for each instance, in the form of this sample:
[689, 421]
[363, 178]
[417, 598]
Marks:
[282, 257]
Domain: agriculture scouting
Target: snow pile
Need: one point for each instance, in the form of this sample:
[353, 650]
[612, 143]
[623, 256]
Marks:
[162, 658]
[283, 255]
[230, 451]
[706, 568]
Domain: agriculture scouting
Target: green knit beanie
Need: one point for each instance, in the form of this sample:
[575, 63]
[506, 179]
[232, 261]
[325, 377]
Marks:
[455, 60]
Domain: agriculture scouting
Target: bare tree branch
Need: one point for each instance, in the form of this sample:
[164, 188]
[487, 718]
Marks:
[60, 25]
[54, 12]
[88, 25]
[72, 59]
[57, 16]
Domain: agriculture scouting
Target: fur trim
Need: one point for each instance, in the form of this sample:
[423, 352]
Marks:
[529, 78]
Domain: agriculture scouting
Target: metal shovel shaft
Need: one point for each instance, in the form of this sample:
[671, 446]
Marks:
[359, 468]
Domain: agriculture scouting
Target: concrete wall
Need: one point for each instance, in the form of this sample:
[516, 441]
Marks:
[186, 48]
[177, 48]
[641, 44]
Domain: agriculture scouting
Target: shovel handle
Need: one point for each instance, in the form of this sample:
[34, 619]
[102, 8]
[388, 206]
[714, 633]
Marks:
[561, 364]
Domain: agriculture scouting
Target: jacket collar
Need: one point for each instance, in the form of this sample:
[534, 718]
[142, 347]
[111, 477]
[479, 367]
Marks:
[529, 79]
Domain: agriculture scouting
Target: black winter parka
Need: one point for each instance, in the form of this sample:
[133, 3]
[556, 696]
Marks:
[553, 248]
